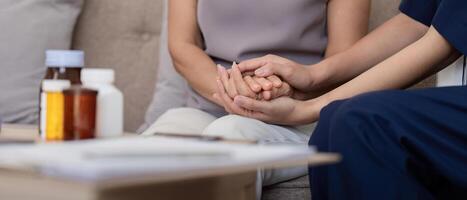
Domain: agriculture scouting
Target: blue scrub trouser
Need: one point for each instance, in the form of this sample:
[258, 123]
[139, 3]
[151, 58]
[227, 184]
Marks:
[395, 145]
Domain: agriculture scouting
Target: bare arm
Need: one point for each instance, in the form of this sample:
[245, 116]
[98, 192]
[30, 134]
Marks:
[391, 37]
[345, 26]
[419, 60]
[185, 45]
[388, 39]
[422, 58]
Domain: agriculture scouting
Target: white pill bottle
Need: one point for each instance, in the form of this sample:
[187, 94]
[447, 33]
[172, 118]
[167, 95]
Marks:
[109, 112]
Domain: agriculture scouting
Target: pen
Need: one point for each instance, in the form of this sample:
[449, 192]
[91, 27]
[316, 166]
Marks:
[207, 138]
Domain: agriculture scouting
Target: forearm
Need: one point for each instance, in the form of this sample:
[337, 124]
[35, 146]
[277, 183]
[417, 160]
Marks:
[423, 58]
[345, 26]
[197, 68]
[185, 42]
[415, 62]
[388, 39]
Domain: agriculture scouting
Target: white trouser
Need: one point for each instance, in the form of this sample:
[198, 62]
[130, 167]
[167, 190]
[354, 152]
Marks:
[194, 121]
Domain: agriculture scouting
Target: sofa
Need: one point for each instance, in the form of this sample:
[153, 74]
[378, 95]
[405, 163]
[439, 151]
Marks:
[125, 35]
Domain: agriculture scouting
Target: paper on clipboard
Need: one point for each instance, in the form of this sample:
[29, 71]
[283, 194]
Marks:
[107, 159]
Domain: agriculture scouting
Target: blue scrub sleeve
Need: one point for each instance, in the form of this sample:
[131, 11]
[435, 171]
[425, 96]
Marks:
[451, 22]
[420, 10]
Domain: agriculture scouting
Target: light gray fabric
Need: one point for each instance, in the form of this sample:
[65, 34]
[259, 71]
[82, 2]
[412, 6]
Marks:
[303, 40]
[297, 189]
[171, 88]
[243, 29]
[28, 28]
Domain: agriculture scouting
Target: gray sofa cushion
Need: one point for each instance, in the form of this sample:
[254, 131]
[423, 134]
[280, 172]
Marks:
[297, 189]
[171, 88]
[29, 27]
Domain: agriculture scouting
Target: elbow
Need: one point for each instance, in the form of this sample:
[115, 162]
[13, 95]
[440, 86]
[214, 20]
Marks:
[415, 26]
[176, 51]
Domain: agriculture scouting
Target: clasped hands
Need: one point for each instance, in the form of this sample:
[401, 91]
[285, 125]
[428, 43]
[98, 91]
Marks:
[247, 91]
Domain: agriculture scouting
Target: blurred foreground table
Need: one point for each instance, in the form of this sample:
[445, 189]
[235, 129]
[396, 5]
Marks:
[227, 183]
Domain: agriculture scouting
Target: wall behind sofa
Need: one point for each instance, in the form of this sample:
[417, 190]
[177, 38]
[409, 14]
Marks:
[123, 35]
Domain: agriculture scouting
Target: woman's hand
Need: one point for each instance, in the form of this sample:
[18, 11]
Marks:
[291, 72]
[283, 110]
[234, 83]
[254, 87]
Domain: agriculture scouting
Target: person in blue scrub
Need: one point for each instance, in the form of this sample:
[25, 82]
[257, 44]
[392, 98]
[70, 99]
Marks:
[400, 144]
[395, 144]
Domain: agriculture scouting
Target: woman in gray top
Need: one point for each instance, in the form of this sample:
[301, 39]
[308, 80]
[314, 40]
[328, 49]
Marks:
[204, 34]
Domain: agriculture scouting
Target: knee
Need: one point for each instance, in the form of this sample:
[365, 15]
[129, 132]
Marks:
[231, 127]
[184, 114]
[319, 138]
[360, 116]
[179, 111]
[364, 107]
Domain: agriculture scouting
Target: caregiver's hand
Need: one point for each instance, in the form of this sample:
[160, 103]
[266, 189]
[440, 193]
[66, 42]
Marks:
[254, 87]
[291, 72]
[283, 110]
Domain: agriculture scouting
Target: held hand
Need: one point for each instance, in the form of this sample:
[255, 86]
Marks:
[257, 84]
[267, 88]
[283, 91]
[233, 83]
[277, 111]
[254, 87]
[273, 116]
[283, 110]
[291, 72]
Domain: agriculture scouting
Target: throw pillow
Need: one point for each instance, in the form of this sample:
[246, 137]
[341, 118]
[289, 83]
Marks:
[29, 28]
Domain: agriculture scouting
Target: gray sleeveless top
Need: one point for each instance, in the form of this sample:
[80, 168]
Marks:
[236, 30]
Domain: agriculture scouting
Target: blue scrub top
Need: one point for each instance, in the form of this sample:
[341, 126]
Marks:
[449, 17]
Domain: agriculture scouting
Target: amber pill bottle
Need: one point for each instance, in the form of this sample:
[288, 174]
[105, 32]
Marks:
[80, 113]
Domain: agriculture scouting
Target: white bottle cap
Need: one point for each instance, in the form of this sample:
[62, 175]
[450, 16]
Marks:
[64, 58]
[55, 85]
[97, 76]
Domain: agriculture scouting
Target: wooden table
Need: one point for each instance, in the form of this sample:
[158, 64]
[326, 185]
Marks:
[228, 183]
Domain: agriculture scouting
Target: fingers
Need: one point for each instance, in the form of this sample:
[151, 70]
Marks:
[276, 81]
[231, 88]
[223, 75]
[252, 84]
[252, 64]
[226, 81]
[265, 84]
[266, 70]
[251, 104]
[217, 97]
[233, 108]
[267, 95]
[227, 101]
[284, 90]
[240, 85]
